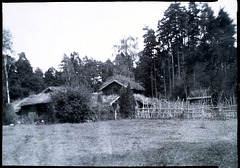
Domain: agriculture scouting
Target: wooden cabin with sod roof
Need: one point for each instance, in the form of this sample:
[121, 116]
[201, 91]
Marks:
[33, 107]
[114, 84]
[110, 90]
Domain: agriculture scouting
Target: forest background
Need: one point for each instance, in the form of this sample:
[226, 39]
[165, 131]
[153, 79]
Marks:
[192, 49]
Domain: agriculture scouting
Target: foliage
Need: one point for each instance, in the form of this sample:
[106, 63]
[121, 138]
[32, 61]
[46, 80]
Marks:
[178, 91]
[77, 71]
[22, 81]
[70, 68]
[106, 70]
[194, 49]
[49, 77]
[9, 116]
[52, 77]
[37, 81]
[191, 49]
[20, 78]
[127, 103]
[102, 109]
[146, 70]
[92, 73]
[126, 56]
[103, 112]
[72, 105]
[7, 41]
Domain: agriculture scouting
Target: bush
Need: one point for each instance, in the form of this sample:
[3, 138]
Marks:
[103, 111]
[72, 105]
[9, 116]
[127, 103]
[178, 91]
[49, 116]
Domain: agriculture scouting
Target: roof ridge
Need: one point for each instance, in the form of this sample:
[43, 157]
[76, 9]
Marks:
[122, 80]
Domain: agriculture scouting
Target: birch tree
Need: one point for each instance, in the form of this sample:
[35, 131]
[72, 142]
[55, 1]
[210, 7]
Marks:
[126, 54]
[7, 49]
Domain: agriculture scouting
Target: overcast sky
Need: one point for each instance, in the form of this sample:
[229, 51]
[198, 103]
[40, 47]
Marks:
[45, 31]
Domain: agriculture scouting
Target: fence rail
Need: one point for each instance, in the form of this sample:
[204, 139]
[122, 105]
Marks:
[187, 111]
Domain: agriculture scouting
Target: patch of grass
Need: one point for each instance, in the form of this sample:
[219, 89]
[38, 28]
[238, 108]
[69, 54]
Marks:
[202, 125]
[126, 142]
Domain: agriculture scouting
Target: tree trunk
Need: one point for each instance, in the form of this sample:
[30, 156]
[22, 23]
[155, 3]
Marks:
[183, 68]
[6, 73]
[155, 80]
[172, 71]
[193, 77]
[152, 81]
[164, 80]
[179, 68]
[169, 75]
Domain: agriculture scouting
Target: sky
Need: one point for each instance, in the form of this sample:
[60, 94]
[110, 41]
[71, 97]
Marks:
[46, 31]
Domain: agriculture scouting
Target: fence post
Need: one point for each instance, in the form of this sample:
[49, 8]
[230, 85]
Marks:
[115, 114]
[174, 111]
[182, 112]
[169, 111]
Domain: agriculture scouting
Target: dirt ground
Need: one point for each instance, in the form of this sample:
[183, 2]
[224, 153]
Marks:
[136, 142]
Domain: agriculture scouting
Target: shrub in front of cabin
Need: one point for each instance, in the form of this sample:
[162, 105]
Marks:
[127, 103]
[9, 116]
[102, 111]
[72, 105]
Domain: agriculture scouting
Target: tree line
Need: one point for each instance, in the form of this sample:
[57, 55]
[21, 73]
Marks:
[190, 49]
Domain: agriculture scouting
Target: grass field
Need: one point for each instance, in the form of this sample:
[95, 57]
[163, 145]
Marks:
[136, 142]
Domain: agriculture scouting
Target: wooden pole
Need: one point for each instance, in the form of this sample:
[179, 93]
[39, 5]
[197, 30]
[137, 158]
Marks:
[115, 114]
[169, 111]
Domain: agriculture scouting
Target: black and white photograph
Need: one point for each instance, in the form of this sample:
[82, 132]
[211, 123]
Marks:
[120, 83]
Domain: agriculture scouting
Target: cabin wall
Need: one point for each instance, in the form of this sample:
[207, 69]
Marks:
[113, 88]
[31, 113]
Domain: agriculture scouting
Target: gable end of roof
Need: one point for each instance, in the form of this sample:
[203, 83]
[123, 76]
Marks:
[110, 82]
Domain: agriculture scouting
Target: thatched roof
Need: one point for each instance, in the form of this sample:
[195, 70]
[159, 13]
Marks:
[37, 99]
[122, 80]
[43, 97]
[17, 104]
[54, 89]
[31, 100]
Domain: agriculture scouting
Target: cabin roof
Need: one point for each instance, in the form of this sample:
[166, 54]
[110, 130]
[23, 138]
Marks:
[37, 99]
[41, 98]
[54, 89]
[123, 81]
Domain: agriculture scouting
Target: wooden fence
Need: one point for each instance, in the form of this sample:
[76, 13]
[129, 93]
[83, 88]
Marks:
[180, 109]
